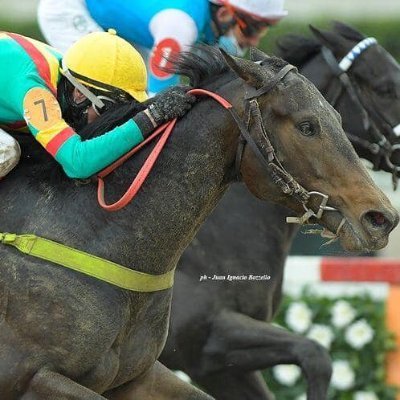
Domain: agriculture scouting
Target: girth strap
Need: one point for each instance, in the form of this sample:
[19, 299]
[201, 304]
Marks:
[88, 264]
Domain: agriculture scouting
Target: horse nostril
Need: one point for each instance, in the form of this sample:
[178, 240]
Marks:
[376, 218]
[377, 221]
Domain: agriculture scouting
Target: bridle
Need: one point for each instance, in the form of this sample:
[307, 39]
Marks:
[286, 182]
[380, 147]
[280, 176]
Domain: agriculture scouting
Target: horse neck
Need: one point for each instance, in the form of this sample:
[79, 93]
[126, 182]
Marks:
[189, 178]
[151, 232]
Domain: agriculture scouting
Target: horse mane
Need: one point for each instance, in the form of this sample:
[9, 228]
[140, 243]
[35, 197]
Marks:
[205, 64]
[117, 115]
[202, 64]
[297, 49]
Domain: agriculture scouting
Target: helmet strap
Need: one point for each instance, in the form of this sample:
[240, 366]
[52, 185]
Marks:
[75, 114]
[107, 101]
[95, 100]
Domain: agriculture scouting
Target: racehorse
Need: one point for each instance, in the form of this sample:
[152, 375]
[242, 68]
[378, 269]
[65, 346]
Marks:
[67, 335]
[218, 332]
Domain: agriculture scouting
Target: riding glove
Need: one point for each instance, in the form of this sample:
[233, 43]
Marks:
[173, 102]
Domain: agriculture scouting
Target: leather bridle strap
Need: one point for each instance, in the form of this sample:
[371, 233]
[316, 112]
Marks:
[272, 83]
[382, 148]
[346, 83]
[245, 137]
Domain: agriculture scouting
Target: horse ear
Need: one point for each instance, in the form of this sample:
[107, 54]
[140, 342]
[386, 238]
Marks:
[246, 70]
[257, 55]
[332, 40]
[347, 31]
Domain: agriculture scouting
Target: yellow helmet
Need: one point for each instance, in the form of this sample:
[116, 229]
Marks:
[107, 62]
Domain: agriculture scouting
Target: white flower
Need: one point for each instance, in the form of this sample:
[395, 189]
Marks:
[343, 375]
[298, 317]
[183, 376]
[342, 314]
[322, 334]
[302, 397]
[286, 374]
[359, 334]
[365, 396]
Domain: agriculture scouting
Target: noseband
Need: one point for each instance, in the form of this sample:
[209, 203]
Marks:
[381, 146]
[286, 182]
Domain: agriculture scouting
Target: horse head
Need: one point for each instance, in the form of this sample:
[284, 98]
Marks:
[362, 81]
[308, 156]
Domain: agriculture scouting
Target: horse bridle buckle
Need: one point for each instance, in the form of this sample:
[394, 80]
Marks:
[309, 212]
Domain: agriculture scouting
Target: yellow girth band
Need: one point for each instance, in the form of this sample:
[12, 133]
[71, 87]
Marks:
[88, 264]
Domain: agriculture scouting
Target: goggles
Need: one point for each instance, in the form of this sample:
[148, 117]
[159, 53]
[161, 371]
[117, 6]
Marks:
[251, 26]
[100, 103]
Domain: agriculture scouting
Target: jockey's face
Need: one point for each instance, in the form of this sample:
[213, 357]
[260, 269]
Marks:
[78, 98]
[247, 41]
[247, 29]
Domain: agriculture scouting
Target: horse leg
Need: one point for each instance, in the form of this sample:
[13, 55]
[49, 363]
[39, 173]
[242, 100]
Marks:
[228, 385]
[158, 384]
[241, 344]
[49, 385]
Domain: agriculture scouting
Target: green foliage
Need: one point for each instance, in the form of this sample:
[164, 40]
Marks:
[367, 362]
[29, 29]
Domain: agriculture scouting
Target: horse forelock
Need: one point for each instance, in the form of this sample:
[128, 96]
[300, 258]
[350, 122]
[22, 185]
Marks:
[274, 64]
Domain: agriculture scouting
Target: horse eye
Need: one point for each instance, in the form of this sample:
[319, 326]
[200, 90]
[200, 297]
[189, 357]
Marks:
[306, 128]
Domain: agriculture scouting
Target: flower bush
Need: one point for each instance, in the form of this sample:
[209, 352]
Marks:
[354, 332]
[298, 317]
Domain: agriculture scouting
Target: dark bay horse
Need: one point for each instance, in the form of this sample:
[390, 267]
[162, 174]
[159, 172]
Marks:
[218, 332]
[65, 335]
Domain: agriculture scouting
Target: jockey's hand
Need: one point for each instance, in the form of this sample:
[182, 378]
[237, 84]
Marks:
[173, 102]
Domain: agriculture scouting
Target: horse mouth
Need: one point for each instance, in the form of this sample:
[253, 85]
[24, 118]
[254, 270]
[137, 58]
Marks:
[353, 235]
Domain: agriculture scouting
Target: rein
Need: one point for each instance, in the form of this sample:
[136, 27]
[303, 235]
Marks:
[165, 131]
[286, 182]
[381, 147]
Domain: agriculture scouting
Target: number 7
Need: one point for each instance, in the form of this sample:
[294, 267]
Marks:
[45, 116]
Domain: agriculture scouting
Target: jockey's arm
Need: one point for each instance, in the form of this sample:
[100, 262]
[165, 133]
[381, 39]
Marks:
[173, 30]
[79, 158]
[83, 158]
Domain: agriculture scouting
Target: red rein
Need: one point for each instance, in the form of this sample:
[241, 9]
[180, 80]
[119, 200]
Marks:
[165, 131]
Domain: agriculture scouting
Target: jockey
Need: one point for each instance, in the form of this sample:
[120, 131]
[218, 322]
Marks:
[161, 28]
[53, 97]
